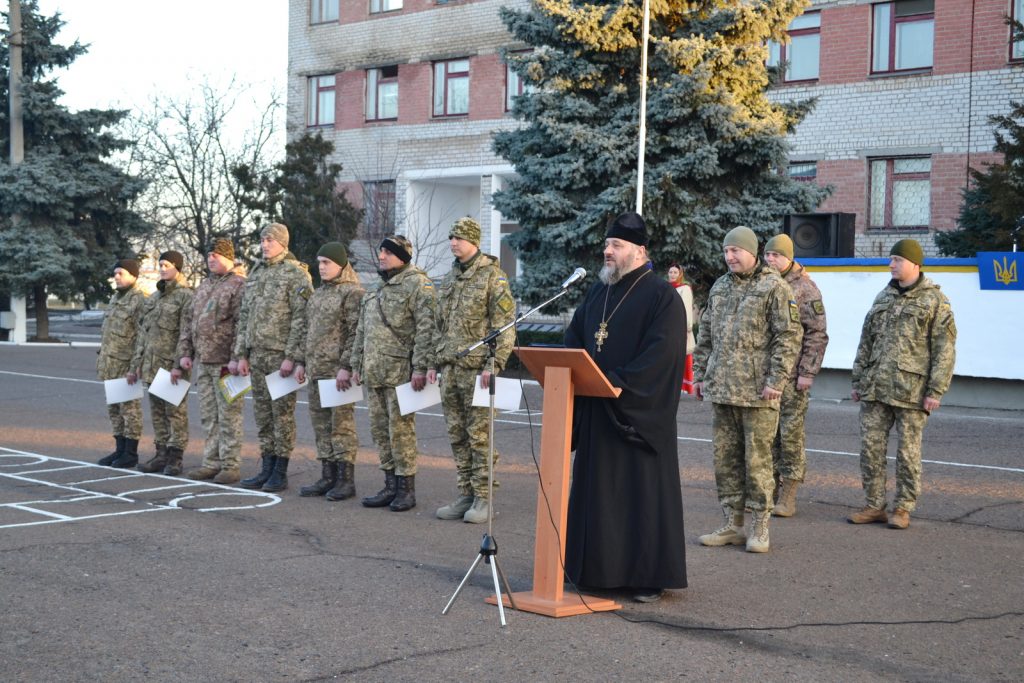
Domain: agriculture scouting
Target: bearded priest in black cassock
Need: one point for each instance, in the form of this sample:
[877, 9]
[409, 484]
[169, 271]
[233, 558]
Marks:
[625, 527]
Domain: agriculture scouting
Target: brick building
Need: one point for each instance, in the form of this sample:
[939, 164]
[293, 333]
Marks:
[410, 91]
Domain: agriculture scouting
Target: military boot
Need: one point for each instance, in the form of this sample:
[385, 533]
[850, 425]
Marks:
[869, 515]
[129, 456]
[730, 534]
[478, 513]
[227, 476]
[900, 519]
[203, 473]
[106, 460]
[266, 467]
[157, 462]
[385, 495]
[279, 477]
[345, 487]
[757, 539]
[455, 509]
[173, 466]
[405, 494]
[328, 478]
[786, 507]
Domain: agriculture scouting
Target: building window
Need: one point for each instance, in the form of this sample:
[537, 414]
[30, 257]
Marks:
[451, 88]
[379, 208]
[514, 86]
[320, 101]
[806, 171]
[323, 11]
[378, 6]
[801, 54]
[382, 93]
[901, 192]
[903, 35]
[1016, 14]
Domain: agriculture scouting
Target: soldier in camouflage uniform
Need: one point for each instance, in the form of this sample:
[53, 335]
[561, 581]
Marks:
[747, 344]
[272, 337]
[788, 455]
[155, 349]
[332, 314]
[473, 299]
[904, 365]
[120, 328]
[206, 341]
[394, 345]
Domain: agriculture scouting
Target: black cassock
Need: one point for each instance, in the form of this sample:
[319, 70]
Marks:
[625, 505]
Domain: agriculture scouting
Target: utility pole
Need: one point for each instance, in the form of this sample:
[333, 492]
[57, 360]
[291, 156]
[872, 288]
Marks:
[17, 133]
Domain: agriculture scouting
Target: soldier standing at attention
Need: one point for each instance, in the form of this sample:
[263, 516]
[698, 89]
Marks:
[155, 349]
[207, 336]
[272, 337]
[904, 365]
[332, 315]
[788, 454]
[747, 343]
[393, 346]
[120, 328]
[473, 300]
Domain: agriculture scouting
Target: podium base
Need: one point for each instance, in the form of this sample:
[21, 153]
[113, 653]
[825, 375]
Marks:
[569, 606]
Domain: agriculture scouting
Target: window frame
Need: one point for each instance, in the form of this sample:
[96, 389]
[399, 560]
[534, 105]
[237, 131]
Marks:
[375, 223]
[313, 98]
[802, 177]
[449, 76]
[1016, 50]
[784, 48]
[894, 21]
[317, 14]
[521, 86]
[891, 178]
[384, 10]
[379, 81]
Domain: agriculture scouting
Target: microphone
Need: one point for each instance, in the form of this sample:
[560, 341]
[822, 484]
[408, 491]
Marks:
[576, 276]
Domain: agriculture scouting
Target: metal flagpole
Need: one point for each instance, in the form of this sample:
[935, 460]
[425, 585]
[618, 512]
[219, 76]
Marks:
[643, 109]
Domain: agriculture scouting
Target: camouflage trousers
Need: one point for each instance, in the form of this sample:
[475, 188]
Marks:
[876, 420]
[394, 433]
[788, 455]
[743, 456]
[222, 421]
[126, 419]
[333, 428]
[170, 422]
[467, 430]
[275, 420]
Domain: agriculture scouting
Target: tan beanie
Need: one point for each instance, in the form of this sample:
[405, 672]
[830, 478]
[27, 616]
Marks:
[277, 232]
[743, 237]
[780, 244]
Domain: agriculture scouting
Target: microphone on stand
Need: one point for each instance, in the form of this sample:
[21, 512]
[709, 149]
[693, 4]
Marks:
[576, 276]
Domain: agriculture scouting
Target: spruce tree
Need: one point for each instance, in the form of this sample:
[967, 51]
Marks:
[715, 142]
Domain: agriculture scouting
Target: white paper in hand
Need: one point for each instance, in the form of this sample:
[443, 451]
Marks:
[330, 397]
[233, 386]
[162, 387]
[410, 401]
[118, 390]
[279, 386]
[508, 393]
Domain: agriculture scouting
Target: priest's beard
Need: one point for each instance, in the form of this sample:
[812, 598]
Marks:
[610, 274]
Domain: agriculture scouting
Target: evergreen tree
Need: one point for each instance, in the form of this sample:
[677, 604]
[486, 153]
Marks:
[715, 142]
[302, 192]
[73, 208]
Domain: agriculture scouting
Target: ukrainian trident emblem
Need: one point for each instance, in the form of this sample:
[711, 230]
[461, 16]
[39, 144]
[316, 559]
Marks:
[1006, 272]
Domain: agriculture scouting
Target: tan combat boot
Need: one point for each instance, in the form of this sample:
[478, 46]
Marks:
[203, 473]
[228, 476]
[868, 515]
[757, 539]
[730, 534]
[900, 519]
[786, 507]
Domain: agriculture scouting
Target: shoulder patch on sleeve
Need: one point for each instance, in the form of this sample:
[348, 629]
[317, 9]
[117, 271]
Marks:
[819, 308]
[505, 303]
[305, 292]
[428, 284]
[794, 312]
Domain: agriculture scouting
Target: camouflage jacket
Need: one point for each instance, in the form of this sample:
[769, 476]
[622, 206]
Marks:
[749, 338]
[208, 330]
[812, 319]
[161, 326]
[386, 353]
[472, 301]
[332, 315]
[120, 329]
[907, 346]
[273, 315]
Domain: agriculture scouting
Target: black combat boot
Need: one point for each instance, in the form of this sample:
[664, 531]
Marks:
[266, 467]
[279, 477]
[405, 498]
[129, 456]
[106, 460]
[173, 466]
[328, 478]
[385, 495]
[346, 486]
[157, 462]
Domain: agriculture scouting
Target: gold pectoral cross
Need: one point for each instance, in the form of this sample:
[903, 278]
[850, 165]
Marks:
[601, 334]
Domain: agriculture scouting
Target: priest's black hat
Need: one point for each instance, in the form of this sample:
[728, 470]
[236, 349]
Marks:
[629, 226]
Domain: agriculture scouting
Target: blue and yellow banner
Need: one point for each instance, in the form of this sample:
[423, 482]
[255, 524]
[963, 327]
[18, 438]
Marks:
[1001, 270]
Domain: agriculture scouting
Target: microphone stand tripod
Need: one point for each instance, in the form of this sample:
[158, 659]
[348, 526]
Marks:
[488, 546]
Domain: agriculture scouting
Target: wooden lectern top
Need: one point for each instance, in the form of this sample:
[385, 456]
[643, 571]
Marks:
[587, 378]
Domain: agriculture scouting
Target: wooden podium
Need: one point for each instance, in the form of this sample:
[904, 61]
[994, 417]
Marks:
[564, 373]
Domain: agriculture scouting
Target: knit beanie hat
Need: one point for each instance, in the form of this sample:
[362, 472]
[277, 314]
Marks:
[743, 237]
[467, 229]
[277, 232]
[173, 257]
[908, 249]
[334, 251]
[629, 226]
[223, 247]
[780, 244]
[129, 264]
[399, 246]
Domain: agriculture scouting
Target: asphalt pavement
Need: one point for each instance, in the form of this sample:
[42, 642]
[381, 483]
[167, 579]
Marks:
[117, 576]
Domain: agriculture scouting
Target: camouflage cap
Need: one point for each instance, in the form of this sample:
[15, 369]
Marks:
[277, 232]
[780, 244]
[398, 245]
[223, 247]
[466, 229]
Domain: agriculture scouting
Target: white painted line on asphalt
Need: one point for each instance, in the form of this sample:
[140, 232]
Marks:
[27, 508]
